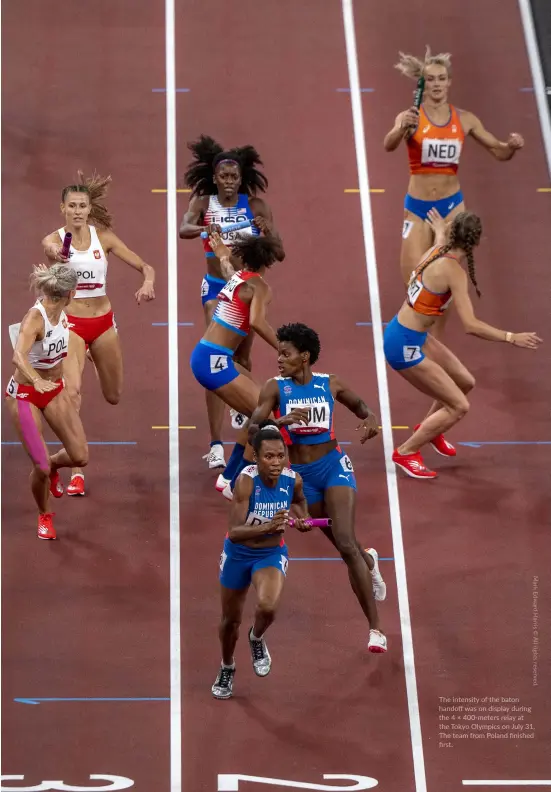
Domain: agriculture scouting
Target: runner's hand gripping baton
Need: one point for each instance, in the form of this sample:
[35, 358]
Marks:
[66, 245]
[230, 227]
[314, 523]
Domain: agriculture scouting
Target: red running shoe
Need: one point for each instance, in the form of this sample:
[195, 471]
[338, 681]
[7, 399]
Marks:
[441, 445]
[46, 528]
[413, 465]
[76, 485]
[56, 487]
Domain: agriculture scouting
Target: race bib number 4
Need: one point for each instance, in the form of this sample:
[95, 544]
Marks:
[218, 363]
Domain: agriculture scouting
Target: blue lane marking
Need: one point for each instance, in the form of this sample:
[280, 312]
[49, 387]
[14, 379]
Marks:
[362, 90]
[368, 324]
[479, 443]
[332, 558]
[35, 700]
[90, 442]
[163, 90]
[165, 324]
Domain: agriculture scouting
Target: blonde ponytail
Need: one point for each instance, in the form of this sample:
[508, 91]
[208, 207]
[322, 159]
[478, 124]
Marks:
[54, 282]
[413, 67]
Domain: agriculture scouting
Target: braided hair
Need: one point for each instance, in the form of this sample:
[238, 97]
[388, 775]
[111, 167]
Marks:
[465, 233]
[207, 154]
[95, 187]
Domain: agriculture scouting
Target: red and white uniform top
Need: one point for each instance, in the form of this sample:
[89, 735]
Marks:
[50, 350]
[231, 311]
[90, 266]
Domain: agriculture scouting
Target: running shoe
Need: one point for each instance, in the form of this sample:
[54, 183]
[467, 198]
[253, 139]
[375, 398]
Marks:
[379, 585]
[413, 465]
[262, 662]
[46, 528]
[222, 483]
[223, 685]
[56, 487]
[215, 456]
[76, 485]
[441, 445]
[377, 642]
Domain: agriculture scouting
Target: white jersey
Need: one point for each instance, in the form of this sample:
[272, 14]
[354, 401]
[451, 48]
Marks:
[90, 266]
[51, 350]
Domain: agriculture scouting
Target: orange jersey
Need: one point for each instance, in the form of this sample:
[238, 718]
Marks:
[421, 299]
[436, 149]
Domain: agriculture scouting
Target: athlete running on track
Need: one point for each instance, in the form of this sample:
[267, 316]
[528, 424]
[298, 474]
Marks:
[255, 551]
[306, 400]
[434, 137]
[224, 191]
[423, 360]
[90, 314]
[242, 305]
[41, 344]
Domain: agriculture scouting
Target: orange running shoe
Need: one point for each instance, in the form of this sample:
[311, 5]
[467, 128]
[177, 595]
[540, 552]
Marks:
[56, 487]
[76, 485]
[441, 445]
[413, 465]
[46, 528]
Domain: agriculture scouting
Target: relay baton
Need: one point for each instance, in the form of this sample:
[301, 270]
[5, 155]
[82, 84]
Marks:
[315, 523]
[230, 227]
[418, 95]
[66, 245]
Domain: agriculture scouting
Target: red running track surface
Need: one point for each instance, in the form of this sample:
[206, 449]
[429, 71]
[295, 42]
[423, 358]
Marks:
[89, 616]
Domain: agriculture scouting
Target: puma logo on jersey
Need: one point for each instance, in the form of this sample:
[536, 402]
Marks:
[321, 387]
[341, 475]
[284, 489]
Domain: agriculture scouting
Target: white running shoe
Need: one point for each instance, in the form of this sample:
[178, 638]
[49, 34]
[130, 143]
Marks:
[379, 585]
[262, 662]
[377, 642]
[238, 420]
[215, 456]
[221, 483]
[223, 685]
[227, 492]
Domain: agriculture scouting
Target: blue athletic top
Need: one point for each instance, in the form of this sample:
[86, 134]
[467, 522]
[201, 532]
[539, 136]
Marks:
[266, 501]
[223, 215]
[317, 398]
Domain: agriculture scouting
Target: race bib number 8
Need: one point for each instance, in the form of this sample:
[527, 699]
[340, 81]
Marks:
[218, 363]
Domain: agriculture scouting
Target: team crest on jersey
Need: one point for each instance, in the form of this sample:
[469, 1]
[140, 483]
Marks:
[257, 492]
[287, 389]
[97, 254]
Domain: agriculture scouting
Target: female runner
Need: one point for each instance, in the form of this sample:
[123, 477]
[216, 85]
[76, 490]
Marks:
[424, 361]
[224, 190]
[434, 137]
[306, 401]
[255, 551]
[37, 387]
[90, 314]
[242, 305]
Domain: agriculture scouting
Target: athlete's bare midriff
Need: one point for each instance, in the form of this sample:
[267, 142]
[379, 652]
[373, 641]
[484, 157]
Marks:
[433, 187]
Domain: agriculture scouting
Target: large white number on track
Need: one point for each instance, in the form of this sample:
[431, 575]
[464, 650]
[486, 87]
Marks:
[229, 782]
[115, 782]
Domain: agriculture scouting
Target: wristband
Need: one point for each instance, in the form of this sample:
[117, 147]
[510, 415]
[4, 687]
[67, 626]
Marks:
[509, 338]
